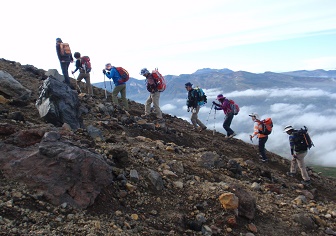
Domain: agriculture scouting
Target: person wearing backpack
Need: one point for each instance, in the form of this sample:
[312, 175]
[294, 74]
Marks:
[262, 137]
[298, 153]
[226, 106]
[65, 57]
[120, 87]
[83, 73]
[193, 103]
[154, 94]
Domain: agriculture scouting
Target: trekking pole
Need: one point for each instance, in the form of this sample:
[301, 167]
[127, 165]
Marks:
[214, 130]
[251, 138]
[209, 115]
[105, 87]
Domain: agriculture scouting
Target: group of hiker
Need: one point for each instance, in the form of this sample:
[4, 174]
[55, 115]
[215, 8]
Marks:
[196, 98]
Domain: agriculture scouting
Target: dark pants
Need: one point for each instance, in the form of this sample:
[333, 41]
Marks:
[262, 142]
[227, 123]
[65, 72]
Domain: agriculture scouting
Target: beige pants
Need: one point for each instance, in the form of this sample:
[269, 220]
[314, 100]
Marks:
[85, 76]
[299, 162]
[194, 119]
[155, 99]
[122, 90]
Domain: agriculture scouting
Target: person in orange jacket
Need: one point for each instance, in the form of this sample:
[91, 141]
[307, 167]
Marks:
[262, 137]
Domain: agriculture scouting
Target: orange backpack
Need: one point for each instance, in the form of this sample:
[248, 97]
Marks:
[65, 49]
[160, 80]
[267, 126]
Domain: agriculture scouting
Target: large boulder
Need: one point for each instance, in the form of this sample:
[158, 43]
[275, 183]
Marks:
[57, 169]
[11, 88]
[54, 73]
[59, 104]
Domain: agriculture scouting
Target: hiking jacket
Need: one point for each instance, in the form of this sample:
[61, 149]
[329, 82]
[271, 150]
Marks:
[151, 83]
[62, 58]
[79, 66]
[293, 137]
[192, 98]
[114, 75]
[225, 106]
[258, 127]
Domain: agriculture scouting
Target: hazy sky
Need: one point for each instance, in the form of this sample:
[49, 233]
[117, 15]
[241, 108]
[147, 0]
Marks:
[178, 37]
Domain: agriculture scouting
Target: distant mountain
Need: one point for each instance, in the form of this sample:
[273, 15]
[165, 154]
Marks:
[227, 80]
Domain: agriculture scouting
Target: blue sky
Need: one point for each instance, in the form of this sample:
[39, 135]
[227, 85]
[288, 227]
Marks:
[178, 37]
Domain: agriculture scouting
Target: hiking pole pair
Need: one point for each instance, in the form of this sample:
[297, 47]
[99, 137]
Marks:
[214, 130]
[209, 115]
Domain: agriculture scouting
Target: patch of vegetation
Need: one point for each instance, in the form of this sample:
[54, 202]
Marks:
[326, 171]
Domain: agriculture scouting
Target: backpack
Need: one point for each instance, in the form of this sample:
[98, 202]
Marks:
[266, 126]
[65, 49]
[123, 74]
[86, 64]
[202, 98]
[159, 80]
[234, 107]
[302, 140]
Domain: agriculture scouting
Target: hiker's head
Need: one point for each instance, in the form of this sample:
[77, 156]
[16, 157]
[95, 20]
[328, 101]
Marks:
[254, 116]
[108, 66]
[59, 40]
[144, 72]
[188, 86]
[220, 97]
[77, 55]
[288, 129]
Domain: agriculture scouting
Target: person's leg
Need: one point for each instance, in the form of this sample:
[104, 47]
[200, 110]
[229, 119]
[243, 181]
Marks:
[78, 80]
[293, 166]
[88, 83]
[123, 96]
[262, 142]
[156, 104]
[227, 124]
[148, 104]
[197, 120]
[193, 119]
[115, 92]
[302, 166]
[65, 72]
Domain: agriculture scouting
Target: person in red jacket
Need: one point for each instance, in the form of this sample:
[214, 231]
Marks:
[225, 105]
[262, 137]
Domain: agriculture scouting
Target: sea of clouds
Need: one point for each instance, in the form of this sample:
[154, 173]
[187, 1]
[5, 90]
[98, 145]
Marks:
[313, 108]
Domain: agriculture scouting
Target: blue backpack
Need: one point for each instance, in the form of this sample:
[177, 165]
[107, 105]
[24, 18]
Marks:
[202, 98]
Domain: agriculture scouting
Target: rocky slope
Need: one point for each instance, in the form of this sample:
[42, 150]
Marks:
[167, 179]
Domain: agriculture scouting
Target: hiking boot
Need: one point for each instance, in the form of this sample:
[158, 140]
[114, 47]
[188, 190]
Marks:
[306, 182]
[202, 128]
[264, 160]
[290, 174]
[232, 135]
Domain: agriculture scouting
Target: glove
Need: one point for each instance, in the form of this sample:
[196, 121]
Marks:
[188, 109]
[251, 137]
[104, 71]
[72, 72]
[294, 156]
[194, 110]
[213, 102]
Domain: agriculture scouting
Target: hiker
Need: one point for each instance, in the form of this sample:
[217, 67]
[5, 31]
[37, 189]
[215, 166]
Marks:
[193, 103]
[120, 87]
[298, 153]
[65, 58]
[154, 94]
[225, 105]
[83, 74]
[262, 137]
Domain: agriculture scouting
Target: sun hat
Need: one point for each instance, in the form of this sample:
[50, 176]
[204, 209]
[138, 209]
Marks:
[288, 128]
[253, 114]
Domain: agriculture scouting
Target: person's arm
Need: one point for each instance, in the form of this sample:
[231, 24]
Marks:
[58, 50]
[78, 66]
[195, 98]
[291, 144]
[255, 129]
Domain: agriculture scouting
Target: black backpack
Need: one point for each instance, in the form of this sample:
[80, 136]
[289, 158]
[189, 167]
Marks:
[302, 140]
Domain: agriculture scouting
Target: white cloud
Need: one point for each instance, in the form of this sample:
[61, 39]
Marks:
[168, 107]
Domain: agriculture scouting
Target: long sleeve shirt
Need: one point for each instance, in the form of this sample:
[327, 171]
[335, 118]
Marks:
[192, 98]
[256, 128]
[225, 106]
[151, 83]
[114, 75]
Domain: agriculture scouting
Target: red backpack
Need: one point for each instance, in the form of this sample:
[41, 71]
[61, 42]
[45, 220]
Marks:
[123, 74]
[234, 107]
[267, 126]
[86, 64]
[160, 80]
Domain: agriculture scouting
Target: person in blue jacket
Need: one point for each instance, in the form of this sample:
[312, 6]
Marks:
[112, 73]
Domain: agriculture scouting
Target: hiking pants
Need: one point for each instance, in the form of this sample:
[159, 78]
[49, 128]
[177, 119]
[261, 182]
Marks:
[85, 76]
[299, 162]
[65, 72]
[227, 123]
[122, 90]
[194, 119]
[155, 99]
[262, 142]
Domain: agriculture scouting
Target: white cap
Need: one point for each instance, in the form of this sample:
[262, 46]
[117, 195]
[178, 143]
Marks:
[253, 114]
[288, 128]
